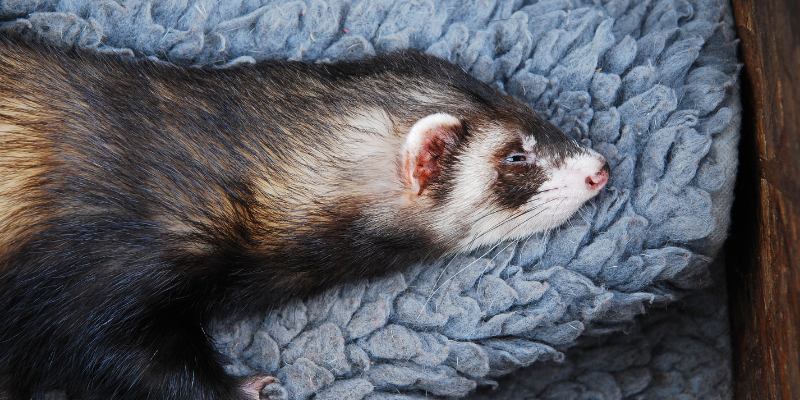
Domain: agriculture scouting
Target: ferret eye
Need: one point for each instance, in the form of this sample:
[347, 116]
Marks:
[516, 158]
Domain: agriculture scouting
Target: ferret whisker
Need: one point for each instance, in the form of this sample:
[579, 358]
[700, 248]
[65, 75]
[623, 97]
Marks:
[444, 269]
[496, 245]
[512, 217]
[439, 277]
[582, 214]
[478, 283]
[550, 190]
[460, 271]
[488, 214]
[508, 218]
[537, 214]
[436, 289]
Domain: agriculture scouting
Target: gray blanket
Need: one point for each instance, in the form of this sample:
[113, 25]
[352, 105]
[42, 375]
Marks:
[650, 84]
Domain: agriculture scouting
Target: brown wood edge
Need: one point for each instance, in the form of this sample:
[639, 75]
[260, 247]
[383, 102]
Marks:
[763, 252]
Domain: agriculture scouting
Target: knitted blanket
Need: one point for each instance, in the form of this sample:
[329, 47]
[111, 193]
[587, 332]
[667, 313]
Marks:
[650, 84]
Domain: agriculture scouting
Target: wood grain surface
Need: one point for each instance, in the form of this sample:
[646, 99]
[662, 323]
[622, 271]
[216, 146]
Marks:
[764, 250]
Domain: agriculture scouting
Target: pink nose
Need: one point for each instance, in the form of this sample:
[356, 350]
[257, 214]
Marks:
[598, 180]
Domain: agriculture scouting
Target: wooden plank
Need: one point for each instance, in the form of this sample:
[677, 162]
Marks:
[764, 250]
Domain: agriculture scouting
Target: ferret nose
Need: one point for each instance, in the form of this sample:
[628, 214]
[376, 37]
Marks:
[599, 179]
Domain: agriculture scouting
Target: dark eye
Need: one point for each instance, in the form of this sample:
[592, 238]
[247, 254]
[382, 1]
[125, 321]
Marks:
[516, 158]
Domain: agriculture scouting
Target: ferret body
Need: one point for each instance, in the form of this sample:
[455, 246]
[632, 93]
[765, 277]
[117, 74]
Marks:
[138, 200]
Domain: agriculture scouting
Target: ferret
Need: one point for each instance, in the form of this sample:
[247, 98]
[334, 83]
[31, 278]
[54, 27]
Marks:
[139, 200]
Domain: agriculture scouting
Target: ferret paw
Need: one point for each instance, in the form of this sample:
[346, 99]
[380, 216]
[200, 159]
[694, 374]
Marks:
[253, 385]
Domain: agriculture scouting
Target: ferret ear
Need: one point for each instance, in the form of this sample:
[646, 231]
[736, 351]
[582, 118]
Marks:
[426, 143]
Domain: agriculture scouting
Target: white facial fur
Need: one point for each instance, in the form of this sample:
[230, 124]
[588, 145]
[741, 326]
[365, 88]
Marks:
[470, 216]
[568, 183]
[474, 216]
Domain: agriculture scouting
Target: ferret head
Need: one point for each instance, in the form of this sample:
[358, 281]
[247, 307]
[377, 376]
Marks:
[422, 157]
[497, 174]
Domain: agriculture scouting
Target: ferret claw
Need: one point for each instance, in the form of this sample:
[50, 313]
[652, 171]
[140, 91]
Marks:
[253, 385]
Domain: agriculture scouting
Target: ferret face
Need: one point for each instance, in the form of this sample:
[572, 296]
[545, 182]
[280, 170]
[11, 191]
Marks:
[493, 180]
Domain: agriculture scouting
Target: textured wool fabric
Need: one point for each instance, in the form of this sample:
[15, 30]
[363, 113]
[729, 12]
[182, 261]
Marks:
[678, 353]
[650, 84]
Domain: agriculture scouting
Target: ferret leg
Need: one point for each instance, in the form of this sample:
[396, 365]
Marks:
[106, 323]
[149, 359]
[182, 365]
